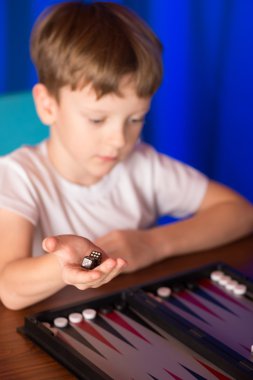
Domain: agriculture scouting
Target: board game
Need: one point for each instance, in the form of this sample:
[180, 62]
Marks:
[195, 325]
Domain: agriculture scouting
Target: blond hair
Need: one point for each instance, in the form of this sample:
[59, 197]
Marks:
[75, 44]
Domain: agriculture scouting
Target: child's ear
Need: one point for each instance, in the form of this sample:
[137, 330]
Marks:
[46, 105]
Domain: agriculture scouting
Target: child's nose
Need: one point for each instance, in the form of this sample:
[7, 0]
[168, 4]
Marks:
[117, 137]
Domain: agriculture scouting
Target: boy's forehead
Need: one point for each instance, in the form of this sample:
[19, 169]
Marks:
[88, 97]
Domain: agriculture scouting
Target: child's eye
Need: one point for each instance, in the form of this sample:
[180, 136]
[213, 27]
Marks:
[138, 121]
[96, 121]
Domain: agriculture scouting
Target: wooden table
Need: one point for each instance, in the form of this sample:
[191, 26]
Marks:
[21, 359]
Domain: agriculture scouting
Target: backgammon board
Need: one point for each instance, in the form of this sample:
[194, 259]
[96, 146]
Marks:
[195, 325]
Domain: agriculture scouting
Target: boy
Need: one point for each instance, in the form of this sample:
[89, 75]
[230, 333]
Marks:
[98, 67]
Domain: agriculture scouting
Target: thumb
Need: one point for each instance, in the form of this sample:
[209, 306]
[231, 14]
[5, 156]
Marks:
[50, 244]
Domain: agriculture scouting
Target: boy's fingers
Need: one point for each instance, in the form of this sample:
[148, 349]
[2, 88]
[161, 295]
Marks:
[70, 244]
[71, 249]
[109, 272]
[84, 279]
[120, 265]
[51, 244]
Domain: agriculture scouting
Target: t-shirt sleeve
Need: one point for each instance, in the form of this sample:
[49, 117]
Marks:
[16, 190]
[179, 189]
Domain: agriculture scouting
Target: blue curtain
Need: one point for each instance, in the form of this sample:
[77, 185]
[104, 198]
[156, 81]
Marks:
[203, 112]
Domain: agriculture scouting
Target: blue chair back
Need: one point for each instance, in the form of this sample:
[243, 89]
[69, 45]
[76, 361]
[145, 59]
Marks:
[19, 123]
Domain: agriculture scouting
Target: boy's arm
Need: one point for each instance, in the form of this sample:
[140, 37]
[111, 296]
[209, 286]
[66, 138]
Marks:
[223, 216]
[25, 280]
[20, 275]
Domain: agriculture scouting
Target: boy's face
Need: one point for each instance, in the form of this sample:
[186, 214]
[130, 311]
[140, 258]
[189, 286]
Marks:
[89, 136]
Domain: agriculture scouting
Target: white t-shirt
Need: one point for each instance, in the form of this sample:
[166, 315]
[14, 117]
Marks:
[132, 196]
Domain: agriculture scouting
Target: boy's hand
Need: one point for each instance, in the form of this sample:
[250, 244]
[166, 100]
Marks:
[70, 251]
[135, 246]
